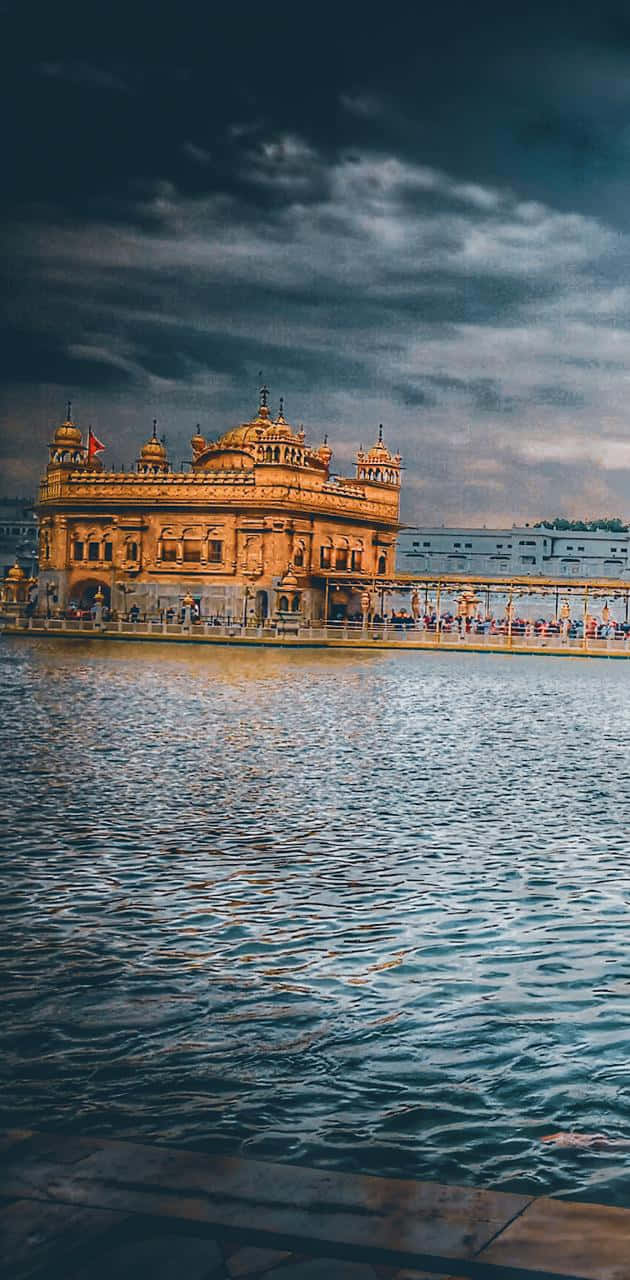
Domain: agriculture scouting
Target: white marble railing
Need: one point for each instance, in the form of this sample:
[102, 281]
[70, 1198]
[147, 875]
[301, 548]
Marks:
[317, 632]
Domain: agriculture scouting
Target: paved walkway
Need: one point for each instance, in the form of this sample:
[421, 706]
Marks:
[86, 1209]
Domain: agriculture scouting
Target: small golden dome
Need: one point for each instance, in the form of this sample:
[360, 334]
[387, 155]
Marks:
[154, 450]
[324, 452]
[68, 436]
[379, 451]
[198, 441]
[16, 573]
[289, 579]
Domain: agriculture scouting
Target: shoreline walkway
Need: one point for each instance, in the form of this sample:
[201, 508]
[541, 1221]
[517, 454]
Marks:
[91, 1209]
[331, 636]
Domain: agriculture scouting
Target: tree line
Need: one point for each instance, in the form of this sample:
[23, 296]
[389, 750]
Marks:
[605, 524]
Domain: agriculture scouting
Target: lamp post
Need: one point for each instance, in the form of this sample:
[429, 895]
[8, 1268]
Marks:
[510, 614]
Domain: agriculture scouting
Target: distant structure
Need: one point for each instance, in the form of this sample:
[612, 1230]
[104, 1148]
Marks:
[18, 536]
[520, 551]
[254, 529]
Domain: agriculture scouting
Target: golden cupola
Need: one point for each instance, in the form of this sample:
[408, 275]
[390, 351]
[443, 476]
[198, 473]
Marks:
[324, 452]
[16, 573]
[153, 458]
[198, 442]
[378, 464]
[67, 443]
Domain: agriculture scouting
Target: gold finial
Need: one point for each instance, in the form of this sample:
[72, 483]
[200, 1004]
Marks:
[264, 395]
[154, 436]
[69, 411]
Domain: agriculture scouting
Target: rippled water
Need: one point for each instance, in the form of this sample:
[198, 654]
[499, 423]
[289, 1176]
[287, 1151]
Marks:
[361, 911]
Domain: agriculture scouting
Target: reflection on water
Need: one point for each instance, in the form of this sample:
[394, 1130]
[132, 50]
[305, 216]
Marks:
[368, 911]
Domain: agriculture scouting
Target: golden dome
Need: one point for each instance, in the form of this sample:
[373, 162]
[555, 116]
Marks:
[198, 441]
[379, 451]
[154, 450]
[247, 433]
[68, 436]
[16, 573]
[324, 452]
[288, 578]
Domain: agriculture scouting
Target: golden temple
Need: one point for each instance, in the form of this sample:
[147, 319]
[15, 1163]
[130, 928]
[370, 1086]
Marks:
[251, 530]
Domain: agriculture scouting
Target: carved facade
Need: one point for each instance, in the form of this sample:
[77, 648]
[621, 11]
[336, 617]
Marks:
[257, 509]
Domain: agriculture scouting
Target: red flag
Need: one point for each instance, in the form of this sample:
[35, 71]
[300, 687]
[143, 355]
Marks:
[94, 445]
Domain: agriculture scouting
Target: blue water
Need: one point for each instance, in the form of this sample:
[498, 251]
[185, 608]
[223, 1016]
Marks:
[369, 912]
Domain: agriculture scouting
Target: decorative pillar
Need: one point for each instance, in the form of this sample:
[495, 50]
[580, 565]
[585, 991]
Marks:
[98, 608]
[187, 603]
[366, 602]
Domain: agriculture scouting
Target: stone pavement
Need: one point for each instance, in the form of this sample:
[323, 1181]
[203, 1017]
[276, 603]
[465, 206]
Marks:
[90, 1209]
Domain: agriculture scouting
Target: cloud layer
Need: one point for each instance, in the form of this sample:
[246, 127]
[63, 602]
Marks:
[373, 275]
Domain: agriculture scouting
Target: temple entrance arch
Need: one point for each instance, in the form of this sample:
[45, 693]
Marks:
[82, 593]
[261, 606]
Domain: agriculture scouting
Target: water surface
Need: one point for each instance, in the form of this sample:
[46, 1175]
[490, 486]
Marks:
[364, 911]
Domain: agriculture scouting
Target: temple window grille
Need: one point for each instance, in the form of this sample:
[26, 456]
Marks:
[109, 551]
[215, 551]
[77, 551]
[93, 550]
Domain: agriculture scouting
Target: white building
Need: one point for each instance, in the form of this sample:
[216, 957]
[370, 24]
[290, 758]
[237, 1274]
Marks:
[18, 535]
[516, 552]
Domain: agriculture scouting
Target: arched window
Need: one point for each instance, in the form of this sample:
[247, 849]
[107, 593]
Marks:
[268, 454]
[167, 546]
[382, 564]
[356, 558]
[276, 453]
[341, 555]
[132, 550]
[298, 556]
[296, 604]
[283, 604]
[325, 556]
[191, 546]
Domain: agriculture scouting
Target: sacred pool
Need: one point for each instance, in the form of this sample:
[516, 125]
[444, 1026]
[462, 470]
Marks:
[361, 911]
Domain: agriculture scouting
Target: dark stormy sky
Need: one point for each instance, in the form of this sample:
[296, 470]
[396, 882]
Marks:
[407, 213]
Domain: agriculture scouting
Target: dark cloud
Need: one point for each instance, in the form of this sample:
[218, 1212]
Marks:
[417, 217]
